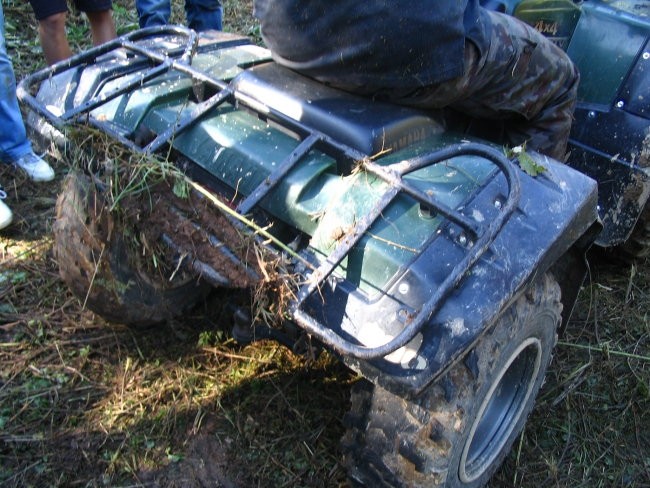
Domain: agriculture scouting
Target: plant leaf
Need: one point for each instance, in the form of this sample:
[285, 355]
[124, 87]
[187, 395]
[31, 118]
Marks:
[529, 165]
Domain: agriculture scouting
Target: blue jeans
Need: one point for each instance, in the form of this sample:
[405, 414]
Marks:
[201, 14]
[13, 137]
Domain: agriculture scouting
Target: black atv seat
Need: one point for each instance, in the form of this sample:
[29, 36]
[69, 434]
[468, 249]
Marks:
[358, 122]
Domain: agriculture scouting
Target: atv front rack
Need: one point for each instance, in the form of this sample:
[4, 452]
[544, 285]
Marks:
[149, 62]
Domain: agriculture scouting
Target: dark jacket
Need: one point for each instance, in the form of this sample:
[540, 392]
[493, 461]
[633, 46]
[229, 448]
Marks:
[373, 43]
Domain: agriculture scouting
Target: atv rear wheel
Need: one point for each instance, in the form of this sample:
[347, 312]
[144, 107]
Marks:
[459, 430]
[637, 246]
[104, 272]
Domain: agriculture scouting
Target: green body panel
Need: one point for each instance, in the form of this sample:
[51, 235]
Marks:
[604, 46]
[242, 151]
[602, 37]
[610, 46]
[556, 19]
[127, 112]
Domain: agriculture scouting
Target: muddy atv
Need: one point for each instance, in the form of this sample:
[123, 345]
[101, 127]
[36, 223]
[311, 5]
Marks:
[434, 263]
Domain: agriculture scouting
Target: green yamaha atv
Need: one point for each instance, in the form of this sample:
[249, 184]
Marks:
[432, 262]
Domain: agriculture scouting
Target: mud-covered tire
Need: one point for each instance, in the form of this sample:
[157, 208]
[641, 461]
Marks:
[100, 268]
[637, 246]
[460, 429]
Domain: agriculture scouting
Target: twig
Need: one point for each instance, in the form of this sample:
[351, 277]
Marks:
[249, 223]
[92, 280]
[609, 351]
[393, 243]
[628, 291]
[178, 266]
[235, 356]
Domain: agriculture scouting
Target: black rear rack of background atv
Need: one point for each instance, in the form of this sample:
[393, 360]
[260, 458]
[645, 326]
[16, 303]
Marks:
[476, 239]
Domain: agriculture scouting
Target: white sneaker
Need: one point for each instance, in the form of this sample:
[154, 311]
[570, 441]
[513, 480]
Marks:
[5, 215]
[35, 167]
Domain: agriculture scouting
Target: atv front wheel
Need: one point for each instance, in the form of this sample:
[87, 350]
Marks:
[104, 272]
[459, 430]
[637, 246]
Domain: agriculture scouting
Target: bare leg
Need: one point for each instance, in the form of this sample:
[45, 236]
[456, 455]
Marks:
[54, 42]
[102, 26]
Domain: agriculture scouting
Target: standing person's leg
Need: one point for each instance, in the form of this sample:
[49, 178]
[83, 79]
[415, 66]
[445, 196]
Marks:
[51, 16]
[204, 15]
[102, 27]
[13, 137]
[15, 148]
[51, 31]
[153, 12]
[100, 16]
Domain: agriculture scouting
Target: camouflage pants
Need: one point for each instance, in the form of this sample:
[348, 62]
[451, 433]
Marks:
[523, 80]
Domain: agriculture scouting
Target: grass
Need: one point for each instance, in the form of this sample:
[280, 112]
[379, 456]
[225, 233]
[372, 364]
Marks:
[86, 403]
[590, 426]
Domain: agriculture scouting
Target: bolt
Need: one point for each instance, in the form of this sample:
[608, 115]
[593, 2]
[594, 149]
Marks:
[402, 315]
[426, 212]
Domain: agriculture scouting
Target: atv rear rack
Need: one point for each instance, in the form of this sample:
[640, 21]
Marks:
[477, 238]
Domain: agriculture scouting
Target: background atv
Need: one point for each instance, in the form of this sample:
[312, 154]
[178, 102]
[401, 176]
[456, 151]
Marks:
[610, 139]
[409, 245]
